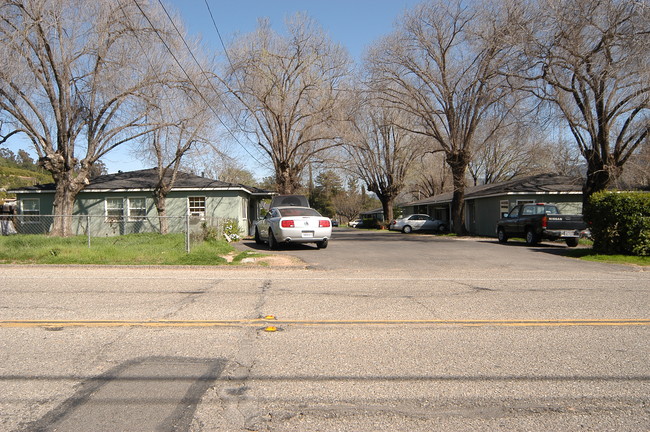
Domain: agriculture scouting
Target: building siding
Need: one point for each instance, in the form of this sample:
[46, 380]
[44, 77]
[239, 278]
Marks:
[219, 205]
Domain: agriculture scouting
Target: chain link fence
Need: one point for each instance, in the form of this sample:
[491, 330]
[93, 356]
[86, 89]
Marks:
[195, 229]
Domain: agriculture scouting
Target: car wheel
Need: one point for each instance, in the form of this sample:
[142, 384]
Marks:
[258, 239]
[501, 235]
[442, 228]
[531, 237]
[322, 244]
[273, 243]
[407, 229]
[572, 242]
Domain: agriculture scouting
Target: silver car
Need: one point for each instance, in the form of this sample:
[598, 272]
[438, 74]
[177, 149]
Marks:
[417, 222]
[293, 225]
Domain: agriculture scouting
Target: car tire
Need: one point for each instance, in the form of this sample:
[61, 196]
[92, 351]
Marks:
[273, 243]
[407, 229]
[322, 244]
[531, 237]
[572, 242]
[258, 239]
[501, 235]
[442, 228]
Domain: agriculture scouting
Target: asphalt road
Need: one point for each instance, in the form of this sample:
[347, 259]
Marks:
[379, 332]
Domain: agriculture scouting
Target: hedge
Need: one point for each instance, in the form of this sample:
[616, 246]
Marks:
[620, 222]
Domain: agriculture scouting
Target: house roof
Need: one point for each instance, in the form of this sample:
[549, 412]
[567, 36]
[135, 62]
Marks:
[146, 180]
[537, 184]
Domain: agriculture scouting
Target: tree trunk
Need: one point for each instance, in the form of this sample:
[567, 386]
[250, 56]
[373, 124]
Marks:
[64, 198]
[458, 163]
[599, 175]
[161, 206]
[286, 180]
[387, 206]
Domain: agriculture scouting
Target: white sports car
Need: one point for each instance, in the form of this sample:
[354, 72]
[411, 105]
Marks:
[293, 225]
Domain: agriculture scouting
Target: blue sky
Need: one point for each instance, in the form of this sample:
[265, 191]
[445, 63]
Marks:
[355, 24]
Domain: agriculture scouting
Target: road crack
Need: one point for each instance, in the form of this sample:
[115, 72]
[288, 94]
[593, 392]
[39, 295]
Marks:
[240, 410]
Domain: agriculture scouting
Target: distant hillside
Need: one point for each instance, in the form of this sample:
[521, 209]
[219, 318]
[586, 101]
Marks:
[13, 178]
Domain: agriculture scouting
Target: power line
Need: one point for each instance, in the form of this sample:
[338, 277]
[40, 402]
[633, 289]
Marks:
[214, 23]
[191, 81]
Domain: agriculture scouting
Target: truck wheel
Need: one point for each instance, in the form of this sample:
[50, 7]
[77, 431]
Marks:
[572, 242]
[501, 235]
[273, 243]
[258, 239]
[531, 238]
[407, 229]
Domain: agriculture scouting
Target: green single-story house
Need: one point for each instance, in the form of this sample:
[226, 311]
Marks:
[123, 203]
[484, 204]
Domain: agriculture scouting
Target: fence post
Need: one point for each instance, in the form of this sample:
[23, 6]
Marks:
[187, 233]
[88, 229]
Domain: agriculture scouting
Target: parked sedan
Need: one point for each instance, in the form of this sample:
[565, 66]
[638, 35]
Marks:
[357, 223]
[417, 222]
[293, 225]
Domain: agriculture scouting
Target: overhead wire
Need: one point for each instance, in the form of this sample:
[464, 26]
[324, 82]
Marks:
[191, 81]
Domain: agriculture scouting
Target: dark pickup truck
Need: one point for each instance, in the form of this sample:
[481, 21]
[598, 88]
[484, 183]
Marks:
[536, 222]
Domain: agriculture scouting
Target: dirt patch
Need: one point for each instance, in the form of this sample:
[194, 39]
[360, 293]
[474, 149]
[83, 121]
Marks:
[280, 261]
[269, 260]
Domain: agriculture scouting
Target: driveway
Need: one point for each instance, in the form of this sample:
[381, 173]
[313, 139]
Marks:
[352, 249]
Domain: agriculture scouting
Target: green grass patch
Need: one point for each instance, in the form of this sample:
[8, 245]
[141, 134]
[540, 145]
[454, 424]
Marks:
[132, 249]
[590, 255]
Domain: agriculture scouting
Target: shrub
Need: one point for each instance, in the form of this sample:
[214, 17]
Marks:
[620, 222]
[209, 233]
[231, 230]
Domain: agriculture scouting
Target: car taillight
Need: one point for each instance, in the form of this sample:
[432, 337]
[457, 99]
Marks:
[325, 223]
[393, 222]
[544, 222]
[287, 223]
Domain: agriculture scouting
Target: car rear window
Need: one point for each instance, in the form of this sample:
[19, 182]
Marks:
[286, 212]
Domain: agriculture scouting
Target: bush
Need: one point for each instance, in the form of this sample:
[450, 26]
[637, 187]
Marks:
[209, 233]
[231, 230]
[620, 222]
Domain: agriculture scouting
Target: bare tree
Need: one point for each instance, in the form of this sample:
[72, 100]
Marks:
[290, 90]
[186, 119]
[169, 145]
[637, 169]
[382, 153]
[590, 58]
[75, 87]
[511, 151]
[429, 176]
[442, 66]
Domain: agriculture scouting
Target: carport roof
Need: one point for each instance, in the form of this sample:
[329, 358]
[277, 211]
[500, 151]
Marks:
[542, 183]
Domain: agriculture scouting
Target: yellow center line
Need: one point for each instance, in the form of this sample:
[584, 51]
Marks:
[357, 323]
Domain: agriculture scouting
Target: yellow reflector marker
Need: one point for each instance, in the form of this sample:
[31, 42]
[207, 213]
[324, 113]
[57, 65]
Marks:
[270, 329]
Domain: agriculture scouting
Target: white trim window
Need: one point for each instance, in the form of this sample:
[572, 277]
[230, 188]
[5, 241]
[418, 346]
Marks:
[114, 209]
[137, 208]
[196, 206]
[30, 207]
[244, 209]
